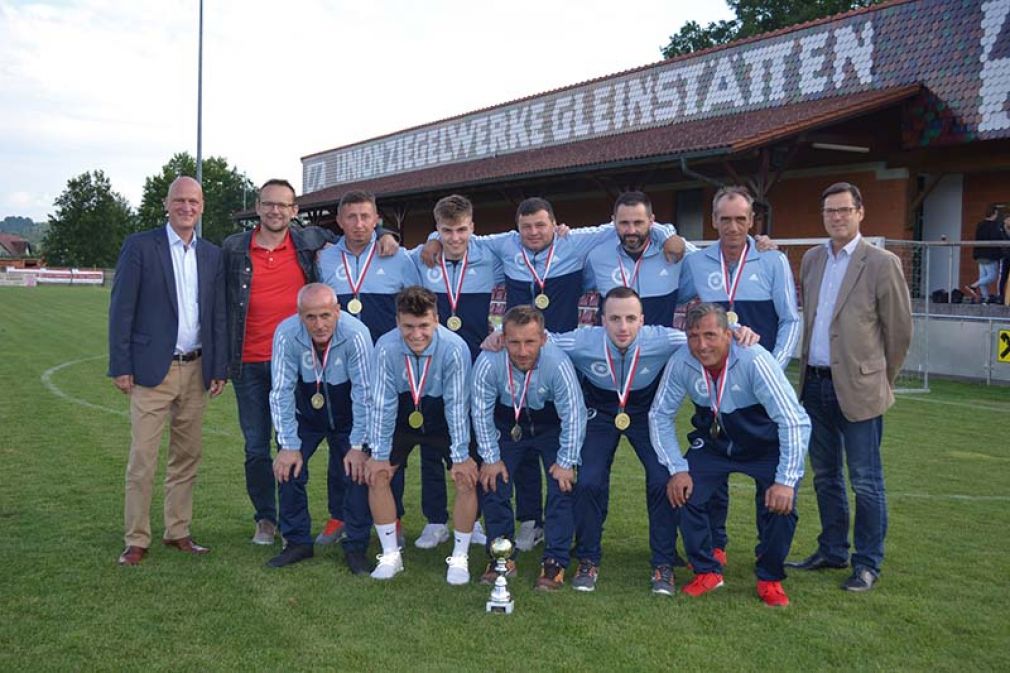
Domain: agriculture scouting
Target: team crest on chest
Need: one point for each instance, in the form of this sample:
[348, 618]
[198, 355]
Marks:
[700, 388]
[599, 368]
[715, 280]
[433, 275]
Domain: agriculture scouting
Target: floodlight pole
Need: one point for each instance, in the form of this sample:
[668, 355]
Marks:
[199, 116]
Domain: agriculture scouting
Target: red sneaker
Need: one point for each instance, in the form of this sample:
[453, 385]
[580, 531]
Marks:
[772, 594]
[720, 556]
[702, 584]
[332, 532]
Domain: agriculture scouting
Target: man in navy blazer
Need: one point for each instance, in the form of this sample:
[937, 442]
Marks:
[167, 348]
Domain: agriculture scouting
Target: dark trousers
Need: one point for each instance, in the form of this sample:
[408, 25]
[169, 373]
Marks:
[836, 443]
[252, 392]
[295, 520]
[709, 471]
[434, 500]
[559, 524]
[592, 491]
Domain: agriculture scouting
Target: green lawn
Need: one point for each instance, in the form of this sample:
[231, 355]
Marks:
[941, 604]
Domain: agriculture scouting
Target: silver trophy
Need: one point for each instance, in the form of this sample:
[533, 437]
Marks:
[501, 600]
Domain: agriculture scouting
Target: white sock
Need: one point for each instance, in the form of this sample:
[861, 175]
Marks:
[461, 543]
[387, 537]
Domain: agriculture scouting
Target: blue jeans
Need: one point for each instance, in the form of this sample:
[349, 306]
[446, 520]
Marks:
[988, 273]
[832, 439]
[252, 392]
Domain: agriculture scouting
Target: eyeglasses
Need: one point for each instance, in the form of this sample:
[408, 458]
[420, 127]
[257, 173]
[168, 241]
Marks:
[846, 210]
[270, 205]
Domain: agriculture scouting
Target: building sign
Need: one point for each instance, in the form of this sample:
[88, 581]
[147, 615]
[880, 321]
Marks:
[914, 42]
[1003, 346]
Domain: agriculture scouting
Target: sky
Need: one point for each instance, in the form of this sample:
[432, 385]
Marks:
[112, 85]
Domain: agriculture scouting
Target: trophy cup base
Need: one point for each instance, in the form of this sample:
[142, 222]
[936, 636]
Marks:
[501, 608]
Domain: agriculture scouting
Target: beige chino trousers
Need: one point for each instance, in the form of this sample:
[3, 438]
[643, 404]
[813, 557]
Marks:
[180, 399]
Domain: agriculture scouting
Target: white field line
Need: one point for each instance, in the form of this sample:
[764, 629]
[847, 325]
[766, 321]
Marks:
[47, 381]
[950, 403]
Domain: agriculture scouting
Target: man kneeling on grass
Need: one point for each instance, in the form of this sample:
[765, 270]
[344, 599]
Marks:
[747, 419]
[420, 393]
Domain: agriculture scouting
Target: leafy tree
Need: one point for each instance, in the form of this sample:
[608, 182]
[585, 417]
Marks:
[754, 17]
[225, 191]
[89, 225]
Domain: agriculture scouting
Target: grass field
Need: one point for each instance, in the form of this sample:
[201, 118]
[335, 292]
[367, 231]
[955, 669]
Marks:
[943, 602]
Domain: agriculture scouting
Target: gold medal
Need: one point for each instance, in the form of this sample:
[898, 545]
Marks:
[622, 421]
[354, 306]
[454, 323]
[516, 433]
[317, 401]
[416, 419]
[542, 301]
[732, 318]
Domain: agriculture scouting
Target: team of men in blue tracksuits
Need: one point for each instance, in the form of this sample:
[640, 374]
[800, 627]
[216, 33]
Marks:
[543, 393]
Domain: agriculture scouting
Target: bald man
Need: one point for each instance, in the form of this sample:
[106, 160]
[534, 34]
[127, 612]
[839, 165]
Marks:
[167, 349]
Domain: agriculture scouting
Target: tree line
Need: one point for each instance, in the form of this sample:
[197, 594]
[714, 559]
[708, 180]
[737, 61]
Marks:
[90, 219]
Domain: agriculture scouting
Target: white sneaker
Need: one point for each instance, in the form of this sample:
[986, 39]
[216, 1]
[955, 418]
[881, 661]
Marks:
[528, 536]
[478, 537]
[433, 535]
[389, 565]
[459, 571]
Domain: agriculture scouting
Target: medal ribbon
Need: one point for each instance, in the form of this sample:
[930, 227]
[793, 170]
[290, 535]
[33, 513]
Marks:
[320, 372]
[454, 297]
[638, 264]
[415, 392]
[517, 409]
[731, 288]
[356, 284]
[547, 267]
[719, 385]
[623, 391]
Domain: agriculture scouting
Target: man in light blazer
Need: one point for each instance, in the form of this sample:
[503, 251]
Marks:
[857, 328]
[167, 347]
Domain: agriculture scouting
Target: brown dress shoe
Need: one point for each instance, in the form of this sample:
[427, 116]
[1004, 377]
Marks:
[187, 545]
[132, 556]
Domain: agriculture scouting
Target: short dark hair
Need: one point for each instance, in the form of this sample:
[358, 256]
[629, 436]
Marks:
[842, 188]
[452, 208]
[731, 191]
[278, 182]
[993, 211]
[357, 196]
[415, 300]
[696, 313]
[532, 205]
[523, 314]
[633, 199]
[619, 292]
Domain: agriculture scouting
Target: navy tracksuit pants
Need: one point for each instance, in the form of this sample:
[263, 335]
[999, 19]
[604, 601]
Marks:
[709, 470]
[295, 520]
[592, 491]
[559, 522]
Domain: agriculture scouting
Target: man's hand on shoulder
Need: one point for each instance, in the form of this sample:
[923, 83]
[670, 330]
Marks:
[388, 246]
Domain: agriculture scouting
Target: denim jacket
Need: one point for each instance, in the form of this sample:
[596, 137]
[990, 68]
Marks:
[238, 279]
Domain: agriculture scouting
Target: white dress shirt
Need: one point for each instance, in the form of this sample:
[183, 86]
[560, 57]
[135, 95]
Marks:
[187, 297]
[834, 273]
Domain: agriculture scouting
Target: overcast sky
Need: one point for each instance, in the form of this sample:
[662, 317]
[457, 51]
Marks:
[111, 84]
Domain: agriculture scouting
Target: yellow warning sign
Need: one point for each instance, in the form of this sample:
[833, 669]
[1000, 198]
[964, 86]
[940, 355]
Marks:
[1003, 346]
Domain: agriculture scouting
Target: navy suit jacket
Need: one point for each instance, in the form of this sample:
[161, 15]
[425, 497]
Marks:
[144, 310]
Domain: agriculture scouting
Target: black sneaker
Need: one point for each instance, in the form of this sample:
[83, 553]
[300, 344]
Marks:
[662, 580]
[862, 579]
[552, 576]
[293, 553]
[585, 576]
[357, 563]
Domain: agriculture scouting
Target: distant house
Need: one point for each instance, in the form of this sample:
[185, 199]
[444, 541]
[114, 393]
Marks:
[12, 246]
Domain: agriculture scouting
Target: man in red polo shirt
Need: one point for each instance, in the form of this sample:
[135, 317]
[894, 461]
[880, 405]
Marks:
[264, 270]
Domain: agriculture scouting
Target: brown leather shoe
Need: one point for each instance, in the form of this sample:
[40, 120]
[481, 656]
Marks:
[187, 545]
[132, 556]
